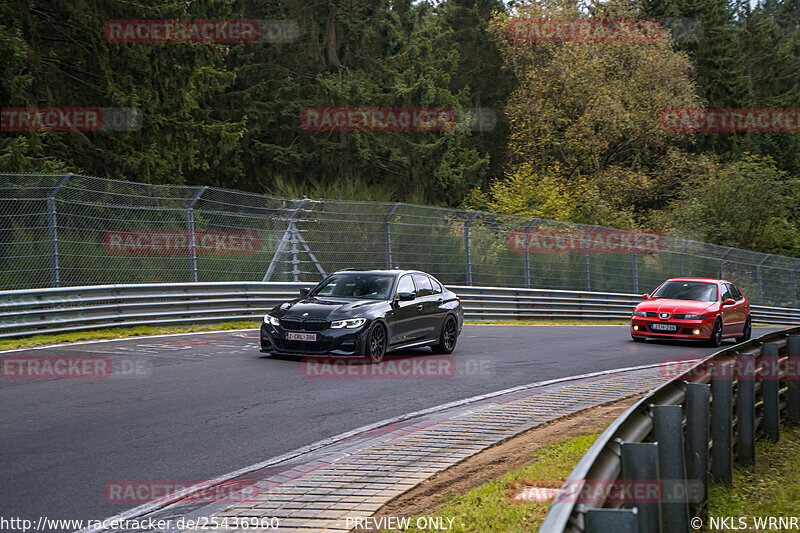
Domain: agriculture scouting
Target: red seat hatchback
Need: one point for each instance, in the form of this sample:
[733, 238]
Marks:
[694, 309]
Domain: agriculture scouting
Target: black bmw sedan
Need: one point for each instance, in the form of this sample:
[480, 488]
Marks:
[366, 312]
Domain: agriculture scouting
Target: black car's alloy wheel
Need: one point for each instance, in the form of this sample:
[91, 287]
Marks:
[376, 343]
[449, 336]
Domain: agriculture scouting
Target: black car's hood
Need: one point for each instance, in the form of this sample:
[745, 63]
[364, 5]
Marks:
[326, 307]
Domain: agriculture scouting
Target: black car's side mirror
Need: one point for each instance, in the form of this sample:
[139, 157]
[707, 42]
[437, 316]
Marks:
[406, 296]
[304, 292]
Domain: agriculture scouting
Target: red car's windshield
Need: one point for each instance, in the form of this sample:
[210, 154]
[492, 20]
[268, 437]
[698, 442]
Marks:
[687, 290]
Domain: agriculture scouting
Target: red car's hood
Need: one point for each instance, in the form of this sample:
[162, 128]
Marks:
[690, 307]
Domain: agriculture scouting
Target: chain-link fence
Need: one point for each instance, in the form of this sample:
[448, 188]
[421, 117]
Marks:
[77, 230]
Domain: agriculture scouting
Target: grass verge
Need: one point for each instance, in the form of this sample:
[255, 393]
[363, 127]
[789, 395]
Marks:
[114, 333]
[770, 488]
[490, 508]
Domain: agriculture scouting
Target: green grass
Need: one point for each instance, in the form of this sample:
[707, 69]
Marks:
[114, 333]
[489, 508]
[771, 487]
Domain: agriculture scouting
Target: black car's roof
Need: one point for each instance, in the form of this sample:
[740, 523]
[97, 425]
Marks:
[393, 271]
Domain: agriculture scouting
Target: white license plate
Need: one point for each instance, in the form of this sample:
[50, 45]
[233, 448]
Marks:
[664, 327]
[311, 337]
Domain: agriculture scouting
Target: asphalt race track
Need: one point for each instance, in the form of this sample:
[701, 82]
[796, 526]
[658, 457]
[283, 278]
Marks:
[193, 407]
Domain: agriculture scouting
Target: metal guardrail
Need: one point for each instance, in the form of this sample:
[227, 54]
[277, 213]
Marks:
[741, 393]
[57, 310]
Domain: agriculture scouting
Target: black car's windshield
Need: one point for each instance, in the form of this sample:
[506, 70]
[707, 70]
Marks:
[356, 285]
[687, 290]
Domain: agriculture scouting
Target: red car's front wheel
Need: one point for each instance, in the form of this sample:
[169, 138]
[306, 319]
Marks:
[716, 334]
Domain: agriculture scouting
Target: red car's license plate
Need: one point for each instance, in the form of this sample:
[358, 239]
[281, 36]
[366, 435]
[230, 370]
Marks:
[664, 327]
[312, 337]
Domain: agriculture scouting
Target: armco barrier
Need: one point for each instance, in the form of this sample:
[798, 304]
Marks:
[55, 310]
[740, 393]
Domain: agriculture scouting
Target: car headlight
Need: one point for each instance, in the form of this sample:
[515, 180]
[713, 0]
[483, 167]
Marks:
[639, 313]
[694, 317]
[269, 319]
[350, 323]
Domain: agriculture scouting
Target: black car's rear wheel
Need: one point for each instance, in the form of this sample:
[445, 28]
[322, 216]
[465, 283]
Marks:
[448, 337]
[375, 346]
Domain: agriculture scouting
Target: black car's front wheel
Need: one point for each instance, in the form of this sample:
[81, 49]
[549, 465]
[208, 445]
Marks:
[375, 345]
[448, 337]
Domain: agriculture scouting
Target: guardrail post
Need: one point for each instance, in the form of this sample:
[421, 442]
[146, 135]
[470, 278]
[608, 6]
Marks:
[793, 379]
[769, 391]
[616, 520]
[697, 400]
[52, 230]
[640, 464]
[745, 410]
[192, 238]
[467, 258]
[668, 433]
[388, 235]
[794, 283]
[721, 425]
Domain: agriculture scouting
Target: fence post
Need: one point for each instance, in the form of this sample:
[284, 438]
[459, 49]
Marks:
[616, 520]
[586, 271]
[467, 258]
[680, 257]
[794, 283]
[769, 391]
[387, 234]
[52, 230]
[745, 410]
[527, 258]
[721, 424]
[635, 264]
[697, 400]
[192, 239]
[759, 279]
[793, 379]
[668, 433]
[640, 464]
[722, 262]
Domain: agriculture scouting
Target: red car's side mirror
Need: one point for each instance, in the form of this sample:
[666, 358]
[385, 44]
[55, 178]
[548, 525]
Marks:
[645, 296]
[729, 301]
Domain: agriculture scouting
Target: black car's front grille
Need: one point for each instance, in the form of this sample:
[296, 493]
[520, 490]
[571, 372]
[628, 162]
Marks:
[315, 325]
[295, 324]
[292, 324]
